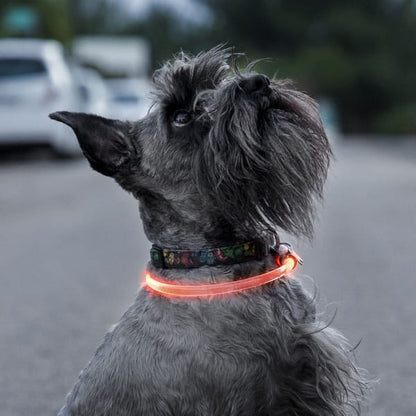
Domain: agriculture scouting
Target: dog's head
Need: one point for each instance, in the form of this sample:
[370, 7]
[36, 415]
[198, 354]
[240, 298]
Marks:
[218, 146]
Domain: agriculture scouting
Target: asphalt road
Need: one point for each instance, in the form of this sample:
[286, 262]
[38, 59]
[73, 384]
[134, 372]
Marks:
[72, 251]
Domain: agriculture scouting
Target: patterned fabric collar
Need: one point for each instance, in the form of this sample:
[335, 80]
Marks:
[188, 259]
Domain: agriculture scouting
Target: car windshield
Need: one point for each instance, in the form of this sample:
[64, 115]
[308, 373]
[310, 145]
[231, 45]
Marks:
[16, 67]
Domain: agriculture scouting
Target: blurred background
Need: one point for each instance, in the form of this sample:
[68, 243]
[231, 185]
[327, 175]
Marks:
[72, 246]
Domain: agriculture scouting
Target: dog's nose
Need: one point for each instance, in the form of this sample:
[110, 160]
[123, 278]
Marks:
[256, 83]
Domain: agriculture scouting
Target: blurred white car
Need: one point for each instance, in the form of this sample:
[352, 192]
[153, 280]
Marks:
[92, 90]
[330, 119]
[35, 81]
[129, 98]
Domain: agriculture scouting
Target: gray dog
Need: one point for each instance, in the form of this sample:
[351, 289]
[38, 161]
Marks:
[221, 162]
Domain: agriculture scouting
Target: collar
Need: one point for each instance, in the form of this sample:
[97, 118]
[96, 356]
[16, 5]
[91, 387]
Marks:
[286, 260]
[189, 259]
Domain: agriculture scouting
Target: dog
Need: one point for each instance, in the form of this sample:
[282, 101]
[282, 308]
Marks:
[222, 161]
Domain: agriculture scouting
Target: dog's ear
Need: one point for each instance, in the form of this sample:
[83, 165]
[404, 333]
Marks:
[103, 141]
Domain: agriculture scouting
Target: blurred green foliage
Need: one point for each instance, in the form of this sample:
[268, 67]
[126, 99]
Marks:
[397, 120]
[360, 54]
[53, 15]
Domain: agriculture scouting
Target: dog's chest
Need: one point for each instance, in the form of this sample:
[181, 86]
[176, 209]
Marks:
[170, 357]
[204, 351]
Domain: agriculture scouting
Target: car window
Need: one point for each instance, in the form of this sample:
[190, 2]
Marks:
[126, 98]
[14, 67]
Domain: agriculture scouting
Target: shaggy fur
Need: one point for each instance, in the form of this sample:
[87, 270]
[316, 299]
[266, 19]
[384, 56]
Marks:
[222, 158]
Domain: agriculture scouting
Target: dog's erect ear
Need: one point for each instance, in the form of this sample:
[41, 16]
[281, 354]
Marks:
[104, 142]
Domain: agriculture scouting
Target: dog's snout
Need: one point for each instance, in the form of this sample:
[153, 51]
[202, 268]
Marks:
[256, 83]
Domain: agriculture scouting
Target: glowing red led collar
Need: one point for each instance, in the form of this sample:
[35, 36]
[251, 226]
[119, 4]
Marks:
[286, 265]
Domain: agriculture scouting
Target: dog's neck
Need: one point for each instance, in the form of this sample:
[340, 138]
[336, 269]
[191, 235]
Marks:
[186, 225]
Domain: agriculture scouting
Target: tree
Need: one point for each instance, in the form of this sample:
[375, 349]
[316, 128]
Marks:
[53, 18]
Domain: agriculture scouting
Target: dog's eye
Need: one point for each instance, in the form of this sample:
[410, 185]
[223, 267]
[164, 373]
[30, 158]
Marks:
[182, 117]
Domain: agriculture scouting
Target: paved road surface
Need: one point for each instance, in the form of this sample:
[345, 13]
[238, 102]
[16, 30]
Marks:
[72, 248]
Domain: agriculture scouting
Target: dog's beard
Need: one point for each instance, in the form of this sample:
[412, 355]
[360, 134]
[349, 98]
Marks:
[265, 160]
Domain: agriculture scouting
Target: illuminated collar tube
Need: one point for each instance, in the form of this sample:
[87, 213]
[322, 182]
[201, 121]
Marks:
[170, 289]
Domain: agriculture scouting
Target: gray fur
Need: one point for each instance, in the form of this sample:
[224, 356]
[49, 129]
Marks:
[253, 159]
